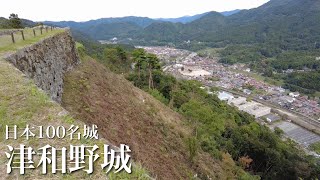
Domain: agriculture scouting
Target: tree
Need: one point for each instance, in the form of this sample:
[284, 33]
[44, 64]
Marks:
[15, 21]
[139, 58]
[153, 64]
[121, 53]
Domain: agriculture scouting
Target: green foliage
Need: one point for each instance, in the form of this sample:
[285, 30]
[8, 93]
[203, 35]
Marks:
[147, 69]
[15, 21]
[159, 96]
[218, 127]
[240, 54]
[81, 50]
[307, 82]
[316, 147]
[296, 60]
[192, 147]
[115, 57]
[221, 128]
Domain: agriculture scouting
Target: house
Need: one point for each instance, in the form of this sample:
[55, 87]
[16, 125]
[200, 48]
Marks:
[247, 91]
[224, 96]
[294, 94]
[272, 118]
[287, 99]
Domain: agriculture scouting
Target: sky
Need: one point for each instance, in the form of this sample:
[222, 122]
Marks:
[83, 10]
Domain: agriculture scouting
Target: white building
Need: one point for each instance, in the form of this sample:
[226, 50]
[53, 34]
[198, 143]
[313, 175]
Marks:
[260, 110]
[294, 94]
[224, 96]
[253, 108]
[246, 106]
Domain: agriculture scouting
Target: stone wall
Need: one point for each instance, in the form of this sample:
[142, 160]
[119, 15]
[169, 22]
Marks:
[47, 61]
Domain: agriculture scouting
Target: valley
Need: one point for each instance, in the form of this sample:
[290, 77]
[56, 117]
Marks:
[215, 95]
[290, 107]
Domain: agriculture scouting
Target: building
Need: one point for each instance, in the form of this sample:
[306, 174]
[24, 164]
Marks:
[294, 94]
[255, 109]
[272, 118]
[246, 106]
[247, 91]
[287, 99]
[259, 110]
[237, 101]
[224, 96]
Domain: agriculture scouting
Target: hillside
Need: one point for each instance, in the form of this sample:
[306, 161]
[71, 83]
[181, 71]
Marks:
[24, 102]
[126, 114]
[184, 125]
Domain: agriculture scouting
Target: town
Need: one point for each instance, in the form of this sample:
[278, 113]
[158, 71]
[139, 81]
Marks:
[270, 104]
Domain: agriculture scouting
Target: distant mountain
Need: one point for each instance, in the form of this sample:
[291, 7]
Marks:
[28, 23]
[4, 23]
[106, 28]
[290, 24]
[188, 19]
[184, 19]
[229, 13]
[107, 31]
[139, 21]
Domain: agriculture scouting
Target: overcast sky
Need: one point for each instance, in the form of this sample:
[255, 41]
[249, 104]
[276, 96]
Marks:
[83, 10]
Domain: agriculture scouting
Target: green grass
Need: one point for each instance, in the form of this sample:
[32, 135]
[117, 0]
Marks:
[79, 45]
[7, 45]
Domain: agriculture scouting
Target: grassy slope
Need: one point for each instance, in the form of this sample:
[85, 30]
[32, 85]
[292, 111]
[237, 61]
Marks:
[126, 114]
[21, 103]
[6, 44]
